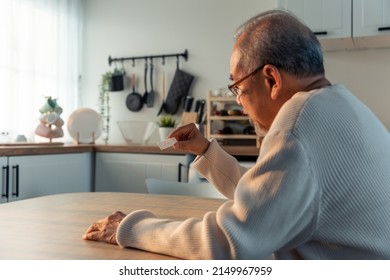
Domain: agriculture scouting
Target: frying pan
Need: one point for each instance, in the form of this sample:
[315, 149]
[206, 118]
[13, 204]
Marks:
[150, 97]
[134, 100]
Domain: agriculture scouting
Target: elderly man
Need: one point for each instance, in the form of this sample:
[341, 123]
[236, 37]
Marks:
[320, 187]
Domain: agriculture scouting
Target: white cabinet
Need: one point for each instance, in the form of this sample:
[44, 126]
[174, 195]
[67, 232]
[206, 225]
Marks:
[330, 20]
[344, 24]
[326, 18]
[371, 23]
[38, 175]
[127, 172]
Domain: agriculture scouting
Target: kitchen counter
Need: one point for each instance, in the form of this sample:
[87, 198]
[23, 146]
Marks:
[56, 148]
[42, 149]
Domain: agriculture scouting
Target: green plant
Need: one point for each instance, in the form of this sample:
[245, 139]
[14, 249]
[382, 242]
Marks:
[167, 121]
[104, 103]
[104, 99]
[118, 72]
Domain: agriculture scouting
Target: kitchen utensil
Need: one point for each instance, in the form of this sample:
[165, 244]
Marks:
[48, 132]
[188, 116]
[145, 96]
[20, 138]
[151, 93]
[197, 105]
[188, 103]
[134, 100]
[85, 125]
[150, 128]
[137, 132]
[49, 106]
[162, 92]
[201, 109]
[163, 86]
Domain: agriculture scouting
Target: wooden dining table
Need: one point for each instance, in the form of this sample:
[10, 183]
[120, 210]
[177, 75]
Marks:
[51, 227]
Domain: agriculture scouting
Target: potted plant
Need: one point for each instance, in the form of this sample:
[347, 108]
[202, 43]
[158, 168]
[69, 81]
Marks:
[116, 80]
[166, 125]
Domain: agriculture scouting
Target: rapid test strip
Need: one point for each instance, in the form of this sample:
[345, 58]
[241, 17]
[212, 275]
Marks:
[166, 143]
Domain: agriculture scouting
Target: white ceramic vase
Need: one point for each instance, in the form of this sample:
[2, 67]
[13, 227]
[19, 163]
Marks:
[164, 132]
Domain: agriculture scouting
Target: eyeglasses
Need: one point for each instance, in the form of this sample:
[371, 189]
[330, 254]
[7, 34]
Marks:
[234, 87]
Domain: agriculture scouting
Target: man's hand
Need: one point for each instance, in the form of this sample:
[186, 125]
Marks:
[105, 229]
[190, 139]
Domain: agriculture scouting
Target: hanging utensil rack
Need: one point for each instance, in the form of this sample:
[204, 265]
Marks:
[162, 56]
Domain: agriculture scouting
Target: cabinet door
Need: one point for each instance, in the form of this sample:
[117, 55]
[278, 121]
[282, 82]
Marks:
[127, 172]
[371, 18]
[329, 19]
[3, 177]
[32, 176]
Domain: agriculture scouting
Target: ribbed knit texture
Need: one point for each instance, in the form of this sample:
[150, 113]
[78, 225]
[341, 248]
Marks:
[319, 190]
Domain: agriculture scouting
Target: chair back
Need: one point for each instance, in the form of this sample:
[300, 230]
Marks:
[161, 186]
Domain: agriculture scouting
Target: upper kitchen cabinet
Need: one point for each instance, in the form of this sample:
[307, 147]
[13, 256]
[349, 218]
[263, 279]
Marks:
[330, 20]
[344, 24]
[371, 23]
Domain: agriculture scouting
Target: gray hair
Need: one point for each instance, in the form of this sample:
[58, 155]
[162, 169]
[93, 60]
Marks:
[277, 37]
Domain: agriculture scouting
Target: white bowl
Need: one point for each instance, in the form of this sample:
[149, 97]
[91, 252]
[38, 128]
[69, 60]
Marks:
[136, 132]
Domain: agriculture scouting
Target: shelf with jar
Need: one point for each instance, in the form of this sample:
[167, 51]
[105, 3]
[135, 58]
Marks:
[226, 122]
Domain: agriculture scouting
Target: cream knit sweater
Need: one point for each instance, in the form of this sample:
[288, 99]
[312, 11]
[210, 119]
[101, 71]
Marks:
[320, 190]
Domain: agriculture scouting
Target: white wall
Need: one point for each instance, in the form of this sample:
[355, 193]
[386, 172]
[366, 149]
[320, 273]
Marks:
[126, 28]
[367, 74]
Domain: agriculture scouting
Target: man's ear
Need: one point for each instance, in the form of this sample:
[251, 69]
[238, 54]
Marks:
[273, 80]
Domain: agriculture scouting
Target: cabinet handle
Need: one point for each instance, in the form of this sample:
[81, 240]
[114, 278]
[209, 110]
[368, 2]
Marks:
[5, 181]
[384, 28]
[15, 174]
[321, 33]
[179, 171]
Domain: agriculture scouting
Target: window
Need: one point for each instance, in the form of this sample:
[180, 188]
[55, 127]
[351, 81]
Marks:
[39, 56]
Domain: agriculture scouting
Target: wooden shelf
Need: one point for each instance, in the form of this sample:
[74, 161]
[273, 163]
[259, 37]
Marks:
[239, 119]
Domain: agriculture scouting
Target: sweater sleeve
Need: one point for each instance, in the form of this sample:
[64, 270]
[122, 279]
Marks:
[220, 168]
[274, 209]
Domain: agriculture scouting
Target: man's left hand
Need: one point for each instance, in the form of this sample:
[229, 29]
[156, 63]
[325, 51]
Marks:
[105, 229]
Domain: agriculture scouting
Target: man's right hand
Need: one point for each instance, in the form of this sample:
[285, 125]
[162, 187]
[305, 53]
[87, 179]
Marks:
[190, 139]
